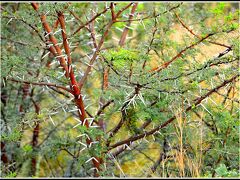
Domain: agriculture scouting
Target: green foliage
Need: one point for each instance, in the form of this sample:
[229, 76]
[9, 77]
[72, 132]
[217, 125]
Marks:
[219, 9]
[131, 120]
[121, 58]
[11, 175]
[12, 65]
[27, 148]
[222, 171]
[14, 136]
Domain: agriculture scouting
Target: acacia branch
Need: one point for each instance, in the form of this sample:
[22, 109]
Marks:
[96, 16]
[123, 9]
[112, 5]
[73, 83]
[14, 41]
[211, 63]
[126, 29]
[166, 64]
[104, 106]
[191, 31]
[35, 137]
[52, 39]
[169, 121]
[25, 22]
[151, 41]
[154, 16]
[84, 78]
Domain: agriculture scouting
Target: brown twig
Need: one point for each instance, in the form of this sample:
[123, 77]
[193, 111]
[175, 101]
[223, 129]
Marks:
[41, 84]
[121, 10]
[96, 16]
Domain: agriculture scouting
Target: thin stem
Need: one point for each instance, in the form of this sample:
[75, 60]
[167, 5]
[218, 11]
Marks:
[42, 84]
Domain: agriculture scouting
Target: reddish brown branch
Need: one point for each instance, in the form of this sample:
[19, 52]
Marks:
[105, 78]
[35, 137]
[55, 26]
[4, 157]
[191, 31]
[151, 42]
[154, 16]
[126, 29]
[52, 39]
[166, 64]
[25, 90]
[104, 106]
[112, 10]
[74, 84]
[123, 9]
[75, 87]
[84, 78]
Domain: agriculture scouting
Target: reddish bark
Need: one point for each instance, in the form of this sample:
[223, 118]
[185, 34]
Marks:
[25, 90]
[4, 157]
[34, 145]
[166, 64]
[126, 29]
[35, 137]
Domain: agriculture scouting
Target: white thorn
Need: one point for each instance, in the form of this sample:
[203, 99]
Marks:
[73, 110]
[127, 147]
[119, 29]
[57, 31]
[94, 126]
[78, 125]
[79, 111]
[45, 55]
[48, 34]
[52, 120]
[9, 21]
[92, 159]
[84, 135]
[95, 142]
[82, 149]
[82, 144]
[94, 169]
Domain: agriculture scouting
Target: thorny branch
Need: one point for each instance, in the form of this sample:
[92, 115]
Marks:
[95, 55]
[197, 101]
[95, 17]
